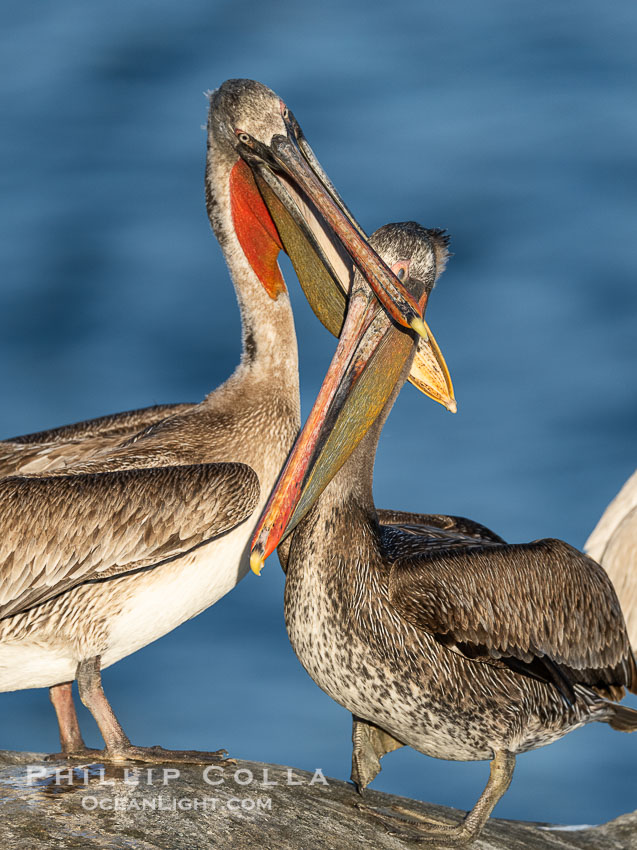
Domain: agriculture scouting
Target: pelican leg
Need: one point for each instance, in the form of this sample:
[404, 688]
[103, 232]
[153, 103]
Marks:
[430, 833]
[71, 740]
[369, 744]
[89, 683]
[118, 746]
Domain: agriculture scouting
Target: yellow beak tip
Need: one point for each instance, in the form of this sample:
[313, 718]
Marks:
[452, 406]
[256, 563]
[420, 327]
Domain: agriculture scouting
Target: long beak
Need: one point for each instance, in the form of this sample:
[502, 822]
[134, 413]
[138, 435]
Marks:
[396, 300]
[365, 371]
[285, 154]
[430, 375]
[324, 242]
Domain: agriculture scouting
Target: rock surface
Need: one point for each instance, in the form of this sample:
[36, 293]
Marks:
[55, 805]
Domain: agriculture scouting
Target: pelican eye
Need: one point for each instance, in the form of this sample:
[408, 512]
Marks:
[401, 270]
[243, 137]
[286, 114]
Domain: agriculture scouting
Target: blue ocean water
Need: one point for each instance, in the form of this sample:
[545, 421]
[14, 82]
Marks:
[512, 125]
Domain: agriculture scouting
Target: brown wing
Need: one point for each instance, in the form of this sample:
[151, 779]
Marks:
[61, 447]
[543, 608]
[62, 531]
[428, 525]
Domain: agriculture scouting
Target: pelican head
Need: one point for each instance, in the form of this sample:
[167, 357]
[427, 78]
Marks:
[371, 362]
[276, 174]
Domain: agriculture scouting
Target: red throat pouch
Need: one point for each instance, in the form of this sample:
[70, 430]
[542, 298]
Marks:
[255, 229]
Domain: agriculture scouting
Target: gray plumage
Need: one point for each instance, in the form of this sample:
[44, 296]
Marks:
[68, 530]
[60, 447]
[439, 635]
[117, 529]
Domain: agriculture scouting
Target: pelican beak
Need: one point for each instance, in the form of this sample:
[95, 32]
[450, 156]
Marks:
[372, 355]
[430, 375]
[325, 243]
[290, 176]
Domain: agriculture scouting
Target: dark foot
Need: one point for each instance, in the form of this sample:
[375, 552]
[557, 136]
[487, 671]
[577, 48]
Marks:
[78, 754]
[412, 826]
[119, 749]
[434, 834]
[158, 755]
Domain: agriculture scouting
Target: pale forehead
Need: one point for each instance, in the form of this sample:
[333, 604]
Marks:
[249, 107]
[405, 242]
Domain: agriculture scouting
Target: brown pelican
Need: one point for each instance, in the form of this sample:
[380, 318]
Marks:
[117, 530]
[613, 544]
[462, 648]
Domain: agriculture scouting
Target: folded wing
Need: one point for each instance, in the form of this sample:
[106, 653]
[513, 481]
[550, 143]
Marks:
[542, 608]
[58, 532]
[62, 447]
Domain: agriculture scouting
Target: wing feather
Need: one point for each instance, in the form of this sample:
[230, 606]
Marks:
[541, 600]
[430, 525]
[61, 531]
[61, 447]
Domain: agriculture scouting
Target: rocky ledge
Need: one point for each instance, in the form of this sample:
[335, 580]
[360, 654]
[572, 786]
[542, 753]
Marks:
[235, 806]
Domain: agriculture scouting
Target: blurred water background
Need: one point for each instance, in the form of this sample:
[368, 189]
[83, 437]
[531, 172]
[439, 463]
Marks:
[513, 125]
